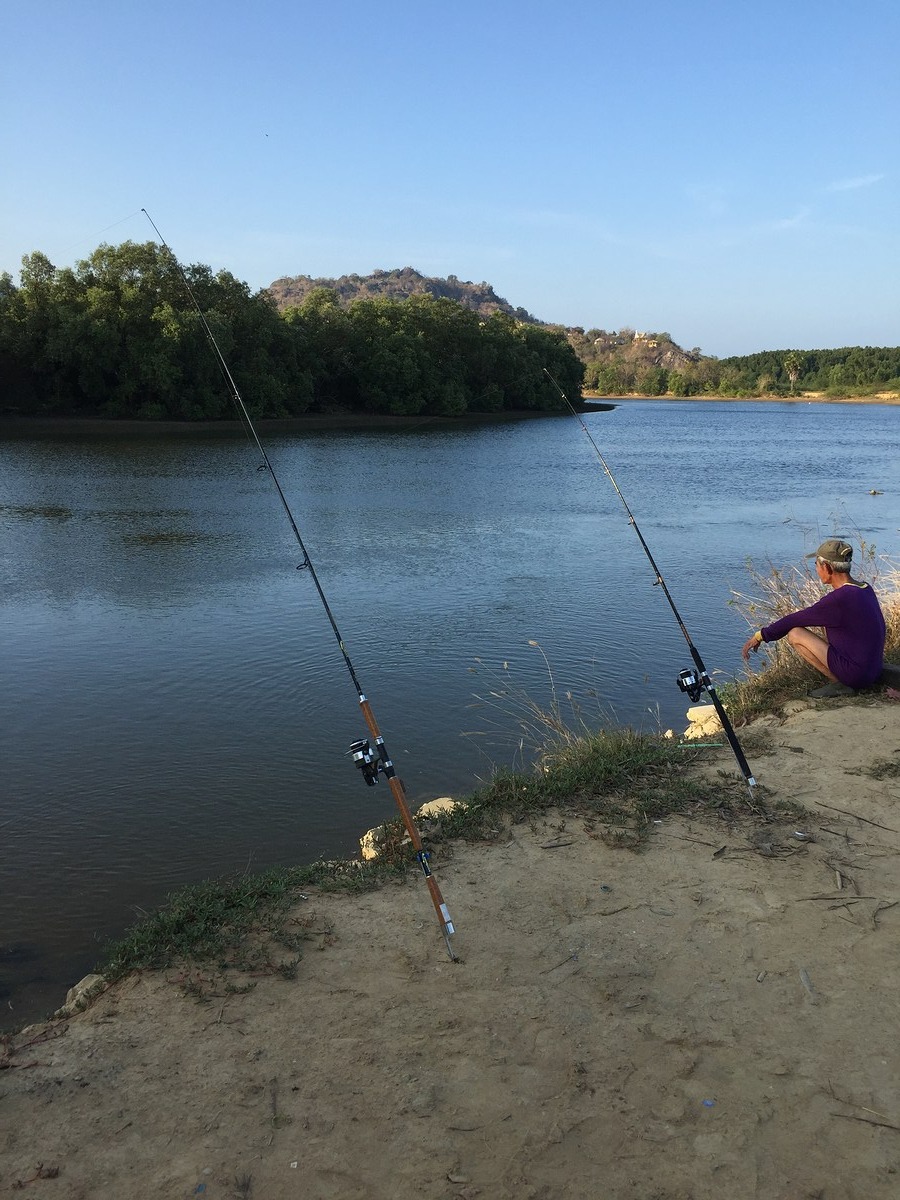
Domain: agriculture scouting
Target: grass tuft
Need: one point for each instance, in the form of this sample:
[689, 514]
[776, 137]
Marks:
[236, 922]
[882, 768]
[619, 780]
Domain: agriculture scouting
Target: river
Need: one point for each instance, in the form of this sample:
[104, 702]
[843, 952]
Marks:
[175, 705]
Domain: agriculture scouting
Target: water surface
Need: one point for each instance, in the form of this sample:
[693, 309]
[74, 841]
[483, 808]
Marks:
[175, 705]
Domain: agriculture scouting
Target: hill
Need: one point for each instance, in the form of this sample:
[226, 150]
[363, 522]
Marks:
[646, 349]
[631, 359]
[629, 362]
[398, 284]
[615, 362]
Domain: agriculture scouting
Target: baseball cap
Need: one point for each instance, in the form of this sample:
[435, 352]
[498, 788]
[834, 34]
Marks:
[834, 551]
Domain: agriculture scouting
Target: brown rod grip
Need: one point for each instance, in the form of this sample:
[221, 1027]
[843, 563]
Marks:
[369, 717]
[411, 827]
[415, 837]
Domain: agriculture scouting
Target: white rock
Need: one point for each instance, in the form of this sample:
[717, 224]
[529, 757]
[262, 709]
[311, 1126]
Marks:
[701, 713]
[79, 997]
[443, 804]
[371, 841]
[704, 722]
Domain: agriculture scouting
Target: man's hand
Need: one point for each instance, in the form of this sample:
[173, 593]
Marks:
[752, 643]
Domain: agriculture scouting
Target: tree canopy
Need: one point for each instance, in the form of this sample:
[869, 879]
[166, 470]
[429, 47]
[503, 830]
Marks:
[119, 336]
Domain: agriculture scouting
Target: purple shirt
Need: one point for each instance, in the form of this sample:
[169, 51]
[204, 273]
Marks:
[854, 626]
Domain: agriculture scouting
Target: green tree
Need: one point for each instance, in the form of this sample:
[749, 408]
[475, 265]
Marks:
[609, 382]
[17, 390]
[652, 381]
[677, 384]
[326, 346]
[792, 364]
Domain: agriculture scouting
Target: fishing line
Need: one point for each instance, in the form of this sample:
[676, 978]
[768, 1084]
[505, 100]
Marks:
[76, 246]
[370, 762]
[693, 682]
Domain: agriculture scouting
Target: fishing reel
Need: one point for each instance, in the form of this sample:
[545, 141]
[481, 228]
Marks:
[692, 683]
[366, 759]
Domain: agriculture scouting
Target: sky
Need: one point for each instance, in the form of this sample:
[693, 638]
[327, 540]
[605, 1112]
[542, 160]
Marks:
[729, 174]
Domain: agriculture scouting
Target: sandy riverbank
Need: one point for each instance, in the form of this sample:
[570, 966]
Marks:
[800, 398]
[716, 1016]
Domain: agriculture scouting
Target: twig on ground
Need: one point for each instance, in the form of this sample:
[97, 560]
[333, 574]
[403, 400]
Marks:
[573, 957]
[835, 1095]
[807, 983]
[822, 804]
[842, 899]
[882, 906]
[41, 1172]
[682, 838]
[841, 874]
[867, 1120]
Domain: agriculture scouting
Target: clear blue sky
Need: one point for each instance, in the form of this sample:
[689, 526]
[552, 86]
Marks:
[729, 173]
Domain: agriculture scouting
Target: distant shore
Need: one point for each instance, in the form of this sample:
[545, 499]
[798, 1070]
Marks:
[11, 424]
[800, 398]
[323, 421]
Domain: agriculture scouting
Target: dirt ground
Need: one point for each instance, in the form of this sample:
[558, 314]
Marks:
[715, 1017]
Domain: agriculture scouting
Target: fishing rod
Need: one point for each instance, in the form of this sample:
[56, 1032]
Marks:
[369, 761]
[693, 682]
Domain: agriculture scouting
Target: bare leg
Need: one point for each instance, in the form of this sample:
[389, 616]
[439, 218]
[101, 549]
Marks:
[812, 649]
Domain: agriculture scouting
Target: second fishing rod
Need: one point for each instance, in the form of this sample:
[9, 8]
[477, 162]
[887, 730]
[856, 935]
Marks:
[693, 682]
[370, 761]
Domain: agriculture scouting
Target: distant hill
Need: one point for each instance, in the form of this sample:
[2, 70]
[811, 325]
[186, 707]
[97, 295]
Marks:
[596, 347]
[398, 284]
[628, 346]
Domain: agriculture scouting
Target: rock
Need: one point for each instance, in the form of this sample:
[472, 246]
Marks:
[370, 843]
[700, 713]
[443, 804]
[704, 722]
[79, 997]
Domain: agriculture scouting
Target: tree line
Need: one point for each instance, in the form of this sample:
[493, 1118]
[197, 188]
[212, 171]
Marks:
[118, 336]
[652, 365]
[853, 370]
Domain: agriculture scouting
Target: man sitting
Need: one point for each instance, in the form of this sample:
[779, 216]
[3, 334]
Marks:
[851, 653]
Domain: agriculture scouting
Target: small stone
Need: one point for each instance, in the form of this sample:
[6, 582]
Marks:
[80, 996]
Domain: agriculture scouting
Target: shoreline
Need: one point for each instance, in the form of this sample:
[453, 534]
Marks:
[727, 995]
[591, 402]
[804, 398]
[317, 421]
[701, 723]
